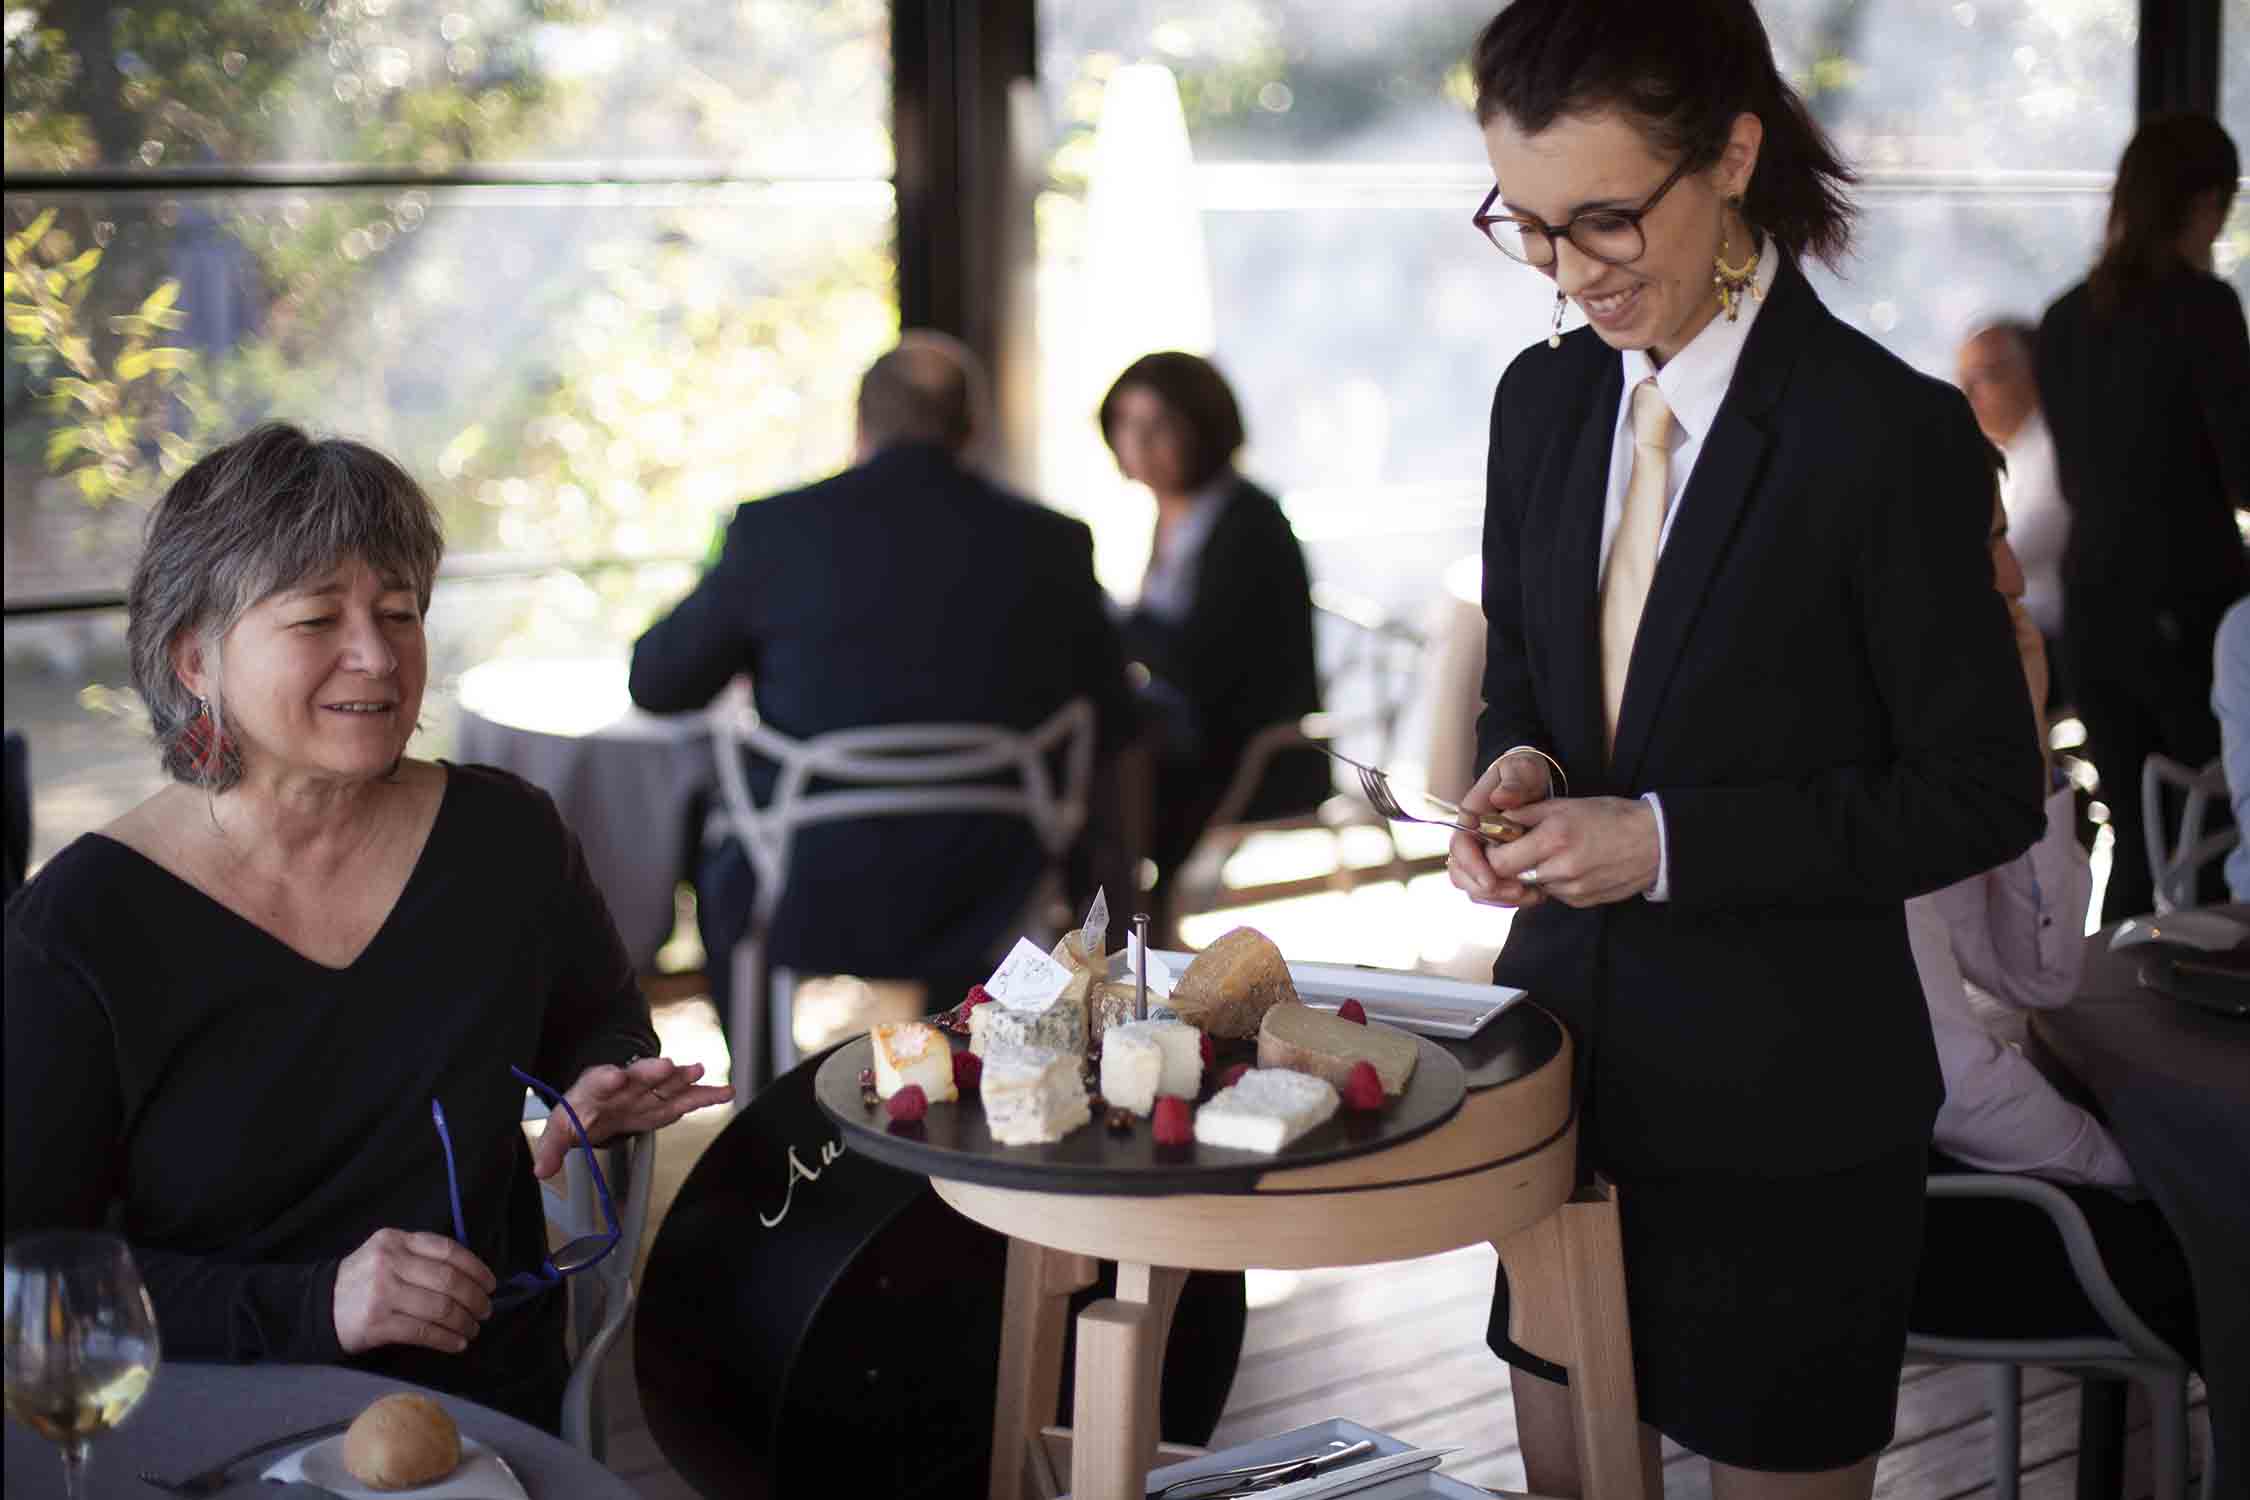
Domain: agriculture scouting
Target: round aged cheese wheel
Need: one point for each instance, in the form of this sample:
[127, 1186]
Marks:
[402, 1441]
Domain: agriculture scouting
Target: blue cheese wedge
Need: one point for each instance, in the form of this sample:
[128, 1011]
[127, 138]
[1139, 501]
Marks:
[1032, 1095]
[913, 1052]
[1058, 1025]
[1264, 1110]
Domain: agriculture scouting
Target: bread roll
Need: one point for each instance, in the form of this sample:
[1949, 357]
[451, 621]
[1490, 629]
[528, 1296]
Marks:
[402, 1441]
[1232, 983]
[1318, 1042]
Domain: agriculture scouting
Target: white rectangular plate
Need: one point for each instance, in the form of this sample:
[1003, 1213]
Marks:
[1426, 1003]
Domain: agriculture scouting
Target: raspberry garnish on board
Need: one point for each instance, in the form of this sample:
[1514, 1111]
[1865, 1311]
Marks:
[956, 1020]
[1363, 1090]
[1233, 1075]
[1170, 1123]
[1352, 1011]
[968, 1071]
[908, 1104]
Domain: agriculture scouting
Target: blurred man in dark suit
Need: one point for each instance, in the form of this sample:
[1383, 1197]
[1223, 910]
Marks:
[907, 589]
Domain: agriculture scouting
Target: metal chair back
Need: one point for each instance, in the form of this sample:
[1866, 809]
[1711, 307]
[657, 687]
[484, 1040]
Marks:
[2174, 870]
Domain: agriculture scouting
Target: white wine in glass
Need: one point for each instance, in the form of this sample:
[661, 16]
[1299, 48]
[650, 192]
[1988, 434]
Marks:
[80, 1340]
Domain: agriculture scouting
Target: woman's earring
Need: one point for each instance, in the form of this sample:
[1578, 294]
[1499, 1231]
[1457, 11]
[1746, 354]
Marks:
[1731, 281]
[208, 751]
[1554, 336]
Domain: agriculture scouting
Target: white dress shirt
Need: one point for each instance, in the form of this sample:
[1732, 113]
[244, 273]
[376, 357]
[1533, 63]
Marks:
[1987, 949]
[2038, 520]
[1694, 382]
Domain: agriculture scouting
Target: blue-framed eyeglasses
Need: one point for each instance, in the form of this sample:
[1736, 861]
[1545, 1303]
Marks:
[572, 1258]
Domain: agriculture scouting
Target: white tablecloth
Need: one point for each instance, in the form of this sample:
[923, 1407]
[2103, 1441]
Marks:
[624, 780]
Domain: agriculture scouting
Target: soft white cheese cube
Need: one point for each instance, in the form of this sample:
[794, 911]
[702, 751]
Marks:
[1265, 1110]
[1132, 1068]
[1181, 1047]
[1032, 1095]
[913, 1052]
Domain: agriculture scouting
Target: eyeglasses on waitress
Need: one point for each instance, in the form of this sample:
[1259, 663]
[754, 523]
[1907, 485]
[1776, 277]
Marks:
[576, 1256]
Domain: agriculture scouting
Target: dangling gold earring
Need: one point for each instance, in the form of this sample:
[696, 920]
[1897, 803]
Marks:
[1732, 280]
[1554, 337]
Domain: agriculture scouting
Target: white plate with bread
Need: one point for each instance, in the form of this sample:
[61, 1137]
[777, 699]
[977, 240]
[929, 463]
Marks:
[403, 1444]
[1425, 1003]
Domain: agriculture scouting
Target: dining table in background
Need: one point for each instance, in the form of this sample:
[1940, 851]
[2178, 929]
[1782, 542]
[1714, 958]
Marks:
[628, 783]
[197, 1414]
[2173, 1083]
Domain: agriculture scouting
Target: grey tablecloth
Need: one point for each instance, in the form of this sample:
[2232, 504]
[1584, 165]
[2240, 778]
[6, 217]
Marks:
[198, 1414]
[625, 781]
[2174, 1084]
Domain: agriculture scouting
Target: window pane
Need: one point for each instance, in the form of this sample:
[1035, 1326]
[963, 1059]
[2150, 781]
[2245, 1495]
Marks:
[2231, 257]
[787, 87]
[573, 373]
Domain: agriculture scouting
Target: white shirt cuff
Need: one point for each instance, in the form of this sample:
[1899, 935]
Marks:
[1662, 890]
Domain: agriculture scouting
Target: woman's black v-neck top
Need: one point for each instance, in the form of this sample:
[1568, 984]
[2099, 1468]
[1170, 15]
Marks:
[246, 1117]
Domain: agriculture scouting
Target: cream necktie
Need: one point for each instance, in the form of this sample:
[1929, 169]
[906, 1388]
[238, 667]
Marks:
[1632, 552]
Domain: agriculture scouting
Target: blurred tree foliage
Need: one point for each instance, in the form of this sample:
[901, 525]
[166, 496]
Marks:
[578, 371]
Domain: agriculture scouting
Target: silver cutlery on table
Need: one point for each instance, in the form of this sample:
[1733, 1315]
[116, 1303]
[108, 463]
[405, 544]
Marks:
[211, 1480]
[1225, 1482]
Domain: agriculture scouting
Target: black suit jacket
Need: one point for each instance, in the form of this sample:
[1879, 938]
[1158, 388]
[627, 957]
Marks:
[2151, 415]
[1242, 657]
[904, 590]
[1826, 696]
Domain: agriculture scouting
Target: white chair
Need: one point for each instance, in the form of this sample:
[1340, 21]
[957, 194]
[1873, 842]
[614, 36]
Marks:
[601, 1297]
[2174, 870]
[2132, 1350]
[887, 771]
[1369, 665]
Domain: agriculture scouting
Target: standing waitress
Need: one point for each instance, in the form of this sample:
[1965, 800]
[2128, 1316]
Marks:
[1750, 686]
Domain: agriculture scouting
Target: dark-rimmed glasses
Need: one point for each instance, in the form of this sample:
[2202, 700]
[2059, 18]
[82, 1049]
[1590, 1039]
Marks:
[572, 1258]
[1610, 235]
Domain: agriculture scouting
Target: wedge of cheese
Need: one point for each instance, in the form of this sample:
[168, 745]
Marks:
[1032, 1095]
[1060, 1025]
[1232, 983]
[1320, 1043]
[913, 1052]
[1264, 1110]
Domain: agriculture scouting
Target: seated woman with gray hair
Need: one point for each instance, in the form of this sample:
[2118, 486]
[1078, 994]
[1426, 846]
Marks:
[234, 1014]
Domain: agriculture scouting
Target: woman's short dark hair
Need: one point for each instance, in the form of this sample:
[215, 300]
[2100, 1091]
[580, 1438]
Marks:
[2171, 161]
[264, 513]
[1193, 387]
[1683, 69]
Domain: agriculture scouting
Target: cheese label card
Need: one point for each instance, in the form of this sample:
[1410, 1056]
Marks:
[1159, 975]
[1096, 931]
[1027, 979]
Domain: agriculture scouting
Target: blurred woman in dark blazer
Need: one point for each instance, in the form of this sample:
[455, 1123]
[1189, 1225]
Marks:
[1224, 624]
[2144, 371]
[1750, 686]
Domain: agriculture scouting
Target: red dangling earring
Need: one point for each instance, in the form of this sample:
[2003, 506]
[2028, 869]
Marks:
[207, 749]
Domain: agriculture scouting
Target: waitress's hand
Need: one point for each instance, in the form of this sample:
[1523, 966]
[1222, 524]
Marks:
[1509, 783]
[1582, 851]
[407, 1287]
[613, 1101]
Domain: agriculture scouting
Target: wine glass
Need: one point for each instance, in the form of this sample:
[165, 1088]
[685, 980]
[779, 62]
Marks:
[80, 1340]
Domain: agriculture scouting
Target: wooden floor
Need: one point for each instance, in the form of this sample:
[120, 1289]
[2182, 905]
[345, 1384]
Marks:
[1400, 1348]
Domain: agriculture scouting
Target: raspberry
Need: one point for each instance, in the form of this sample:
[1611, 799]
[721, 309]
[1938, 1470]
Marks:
[1352, 1011]
[968, 1071]
[1233, 1075]
[1210, 1050]
[1363, 1090]
[978, 995]
[956, 1020]
[909, 1104]
[1170, 1122]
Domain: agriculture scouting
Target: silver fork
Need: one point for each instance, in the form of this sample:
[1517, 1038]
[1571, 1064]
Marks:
[1496, 828]
[214, 1479]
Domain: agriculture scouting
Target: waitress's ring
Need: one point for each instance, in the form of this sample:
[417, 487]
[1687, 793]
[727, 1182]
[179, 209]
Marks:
[1530, 876]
